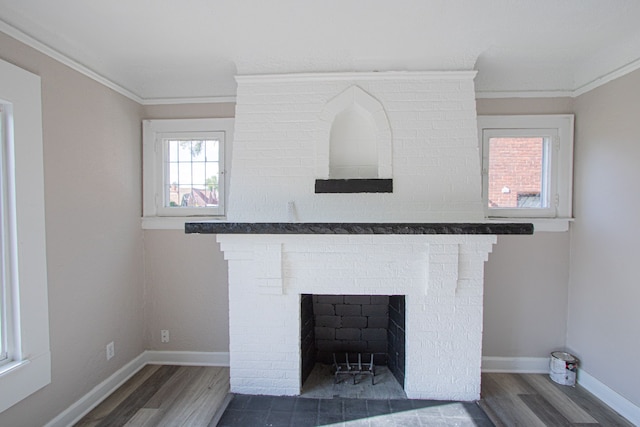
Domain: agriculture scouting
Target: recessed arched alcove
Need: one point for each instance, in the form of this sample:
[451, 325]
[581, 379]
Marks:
[355, 145]
[353, 148]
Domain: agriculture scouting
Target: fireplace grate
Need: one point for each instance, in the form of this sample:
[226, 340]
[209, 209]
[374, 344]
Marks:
[353, 369]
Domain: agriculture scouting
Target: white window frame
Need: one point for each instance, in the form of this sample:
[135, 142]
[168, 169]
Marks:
[29, 365]
[559, 129]
[155, 132]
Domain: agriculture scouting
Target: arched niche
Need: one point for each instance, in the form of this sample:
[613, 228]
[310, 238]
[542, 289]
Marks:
[356, 139]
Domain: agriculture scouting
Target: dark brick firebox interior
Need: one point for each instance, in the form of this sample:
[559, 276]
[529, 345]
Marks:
[367, 324]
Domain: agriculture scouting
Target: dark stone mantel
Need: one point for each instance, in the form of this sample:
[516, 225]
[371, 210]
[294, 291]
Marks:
[355, 228]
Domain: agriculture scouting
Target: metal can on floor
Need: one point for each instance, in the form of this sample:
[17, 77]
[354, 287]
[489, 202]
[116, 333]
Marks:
[563, 368]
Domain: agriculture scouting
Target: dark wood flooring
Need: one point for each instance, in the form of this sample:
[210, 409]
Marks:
[193, 396]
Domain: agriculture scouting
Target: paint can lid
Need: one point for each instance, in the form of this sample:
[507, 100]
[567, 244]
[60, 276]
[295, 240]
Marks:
[565, 357]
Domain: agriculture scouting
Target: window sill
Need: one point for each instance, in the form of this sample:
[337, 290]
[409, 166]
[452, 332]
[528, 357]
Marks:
[174, 222]
[24, 378]
[556, 225]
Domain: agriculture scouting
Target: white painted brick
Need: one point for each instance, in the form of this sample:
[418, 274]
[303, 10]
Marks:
[278, 153]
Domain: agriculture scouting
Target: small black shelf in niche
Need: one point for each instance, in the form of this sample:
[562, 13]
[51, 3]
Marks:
[372, 185]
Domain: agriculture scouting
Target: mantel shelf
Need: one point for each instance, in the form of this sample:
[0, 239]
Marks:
[355, 228]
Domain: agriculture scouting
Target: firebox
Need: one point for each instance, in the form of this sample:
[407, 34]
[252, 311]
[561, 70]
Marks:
[355, 330]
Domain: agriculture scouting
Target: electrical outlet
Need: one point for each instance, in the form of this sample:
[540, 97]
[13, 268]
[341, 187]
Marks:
[111, 351]
[164, 335]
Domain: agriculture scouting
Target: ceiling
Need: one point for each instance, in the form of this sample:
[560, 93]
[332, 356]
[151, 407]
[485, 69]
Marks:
[162, 49]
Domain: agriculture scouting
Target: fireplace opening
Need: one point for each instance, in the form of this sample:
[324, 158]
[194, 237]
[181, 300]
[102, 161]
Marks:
[353, 326]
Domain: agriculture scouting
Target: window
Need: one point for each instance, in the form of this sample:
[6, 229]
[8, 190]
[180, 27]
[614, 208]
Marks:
[4, 244]
[184, 167]
[527, 165]
[24, 315]
[5, 239]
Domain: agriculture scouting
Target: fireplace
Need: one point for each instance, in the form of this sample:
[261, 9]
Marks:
[357, 184]
[440, 277]
[355, 329]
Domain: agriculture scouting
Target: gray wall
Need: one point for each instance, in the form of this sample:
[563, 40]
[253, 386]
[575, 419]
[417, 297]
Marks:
[186, 292]
[526, 277]
[604, 290]
[186, 284]
[92, 161]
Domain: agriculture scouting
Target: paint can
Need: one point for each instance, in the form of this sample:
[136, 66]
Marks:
[563, 368]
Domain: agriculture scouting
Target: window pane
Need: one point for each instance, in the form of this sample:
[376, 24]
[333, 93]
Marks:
[517, 173]
[192, 172]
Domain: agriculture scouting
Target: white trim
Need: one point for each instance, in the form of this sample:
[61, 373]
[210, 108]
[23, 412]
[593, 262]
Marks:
[385, 75]
[489, 94]
[560, 128]
[99, 393]
[539, 224]
[82, 69]
[93, 398]
[612, 399]
[198, 100]
[187, 358]
[606, 78]
[520, 365]
[175, 223]
[153, 132]
[43, 48]
[64, 59]
[21, 90]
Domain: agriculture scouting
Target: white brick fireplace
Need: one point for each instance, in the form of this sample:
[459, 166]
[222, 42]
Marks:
[407, 144]
[440, 276]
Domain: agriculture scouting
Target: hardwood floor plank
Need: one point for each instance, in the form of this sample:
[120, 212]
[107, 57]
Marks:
[117, 397]
[559, 400]
[141, 418]
[200, 401]
[136, 400]
[502, 384]
[512, 411]
[594, 407]
[548, 414]
[169, 391]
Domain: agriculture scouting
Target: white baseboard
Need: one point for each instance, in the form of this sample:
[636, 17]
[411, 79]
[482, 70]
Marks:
[195, 358]
[615, 401]
[540, 365]
[90, 400]
[86, 403]
[520, 365]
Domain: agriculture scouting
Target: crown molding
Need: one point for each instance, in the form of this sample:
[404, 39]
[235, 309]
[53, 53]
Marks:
[75, 65]
[52, 53]
[524, 94]
[597, 82]
[192, 100]
[356, 75]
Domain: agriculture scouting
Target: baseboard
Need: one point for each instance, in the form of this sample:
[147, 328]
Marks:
[615, 401]
[520, 365]
[540, 365]
[86, 403]
[195, 358]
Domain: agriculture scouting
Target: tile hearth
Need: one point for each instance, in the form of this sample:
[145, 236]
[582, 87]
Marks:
[283, 411]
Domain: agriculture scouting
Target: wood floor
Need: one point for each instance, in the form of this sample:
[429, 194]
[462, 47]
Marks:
[164, 396]
[534, 400]
[191, 396]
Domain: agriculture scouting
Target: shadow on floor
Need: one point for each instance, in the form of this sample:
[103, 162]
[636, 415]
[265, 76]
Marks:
[284, 411]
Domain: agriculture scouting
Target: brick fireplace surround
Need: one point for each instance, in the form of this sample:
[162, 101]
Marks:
[440, 275]
[411, 225]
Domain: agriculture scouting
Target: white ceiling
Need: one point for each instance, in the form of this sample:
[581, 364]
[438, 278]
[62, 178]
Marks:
[159, 49]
